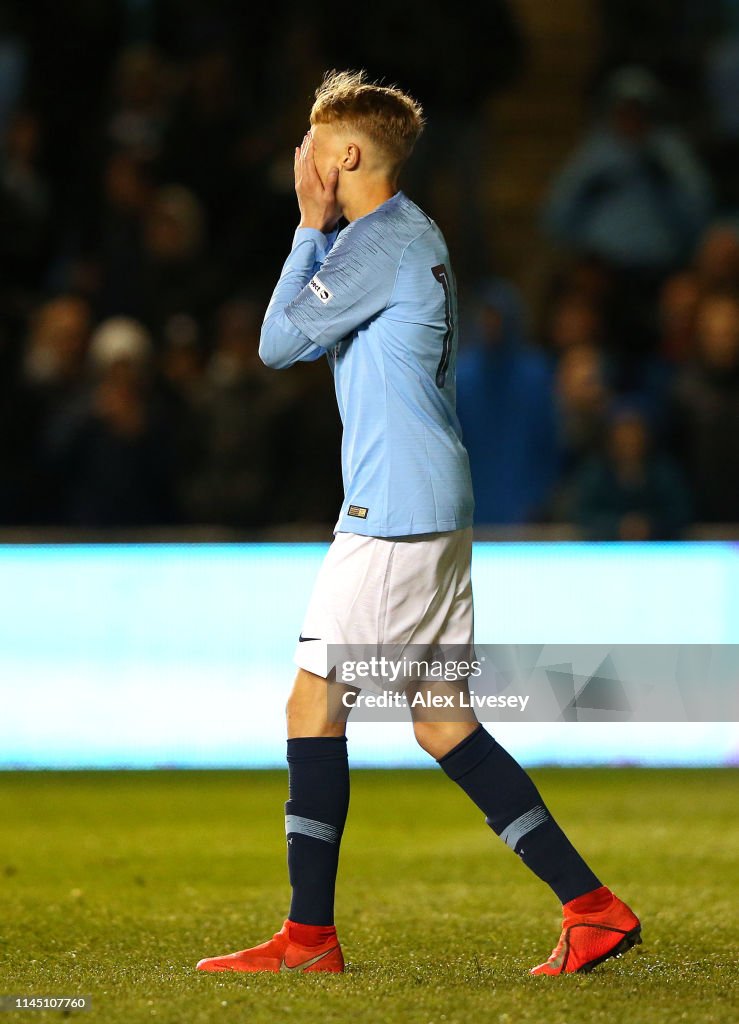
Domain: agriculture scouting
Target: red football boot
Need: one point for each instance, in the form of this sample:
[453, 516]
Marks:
[588, 939]
[280, 954]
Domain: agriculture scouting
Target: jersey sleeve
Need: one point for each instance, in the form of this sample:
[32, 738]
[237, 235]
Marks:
[281, 344]
[354, 283]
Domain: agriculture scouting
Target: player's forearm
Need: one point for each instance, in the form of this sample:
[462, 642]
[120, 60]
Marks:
[281, 343]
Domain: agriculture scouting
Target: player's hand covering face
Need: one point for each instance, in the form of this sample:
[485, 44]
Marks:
[317, 200]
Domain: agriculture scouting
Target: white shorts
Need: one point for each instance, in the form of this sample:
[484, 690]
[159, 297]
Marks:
[400, 591]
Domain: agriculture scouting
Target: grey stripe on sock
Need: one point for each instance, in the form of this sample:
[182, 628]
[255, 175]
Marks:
[513, 833]
[308, 827]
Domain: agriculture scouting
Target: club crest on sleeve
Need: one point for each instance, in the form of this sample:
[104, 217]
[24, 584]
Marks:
[319, 288]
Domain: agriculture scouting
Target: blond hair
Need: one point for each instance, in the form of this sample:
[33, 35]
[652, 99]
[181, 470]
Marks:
[389, 117]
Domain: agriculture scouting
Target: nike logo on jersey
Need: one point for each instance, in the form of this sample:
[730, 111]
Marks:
[307, 963]
[318, 288]
[302, 639]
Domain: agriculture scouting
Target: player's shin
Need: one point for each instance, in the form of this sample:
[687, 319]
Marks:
[314, 822]
[515, 811]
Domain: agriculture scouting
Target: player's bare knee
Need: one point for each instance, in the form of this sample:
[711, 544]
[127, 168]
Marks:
[308, 710]
[430, 737]
[438, 738]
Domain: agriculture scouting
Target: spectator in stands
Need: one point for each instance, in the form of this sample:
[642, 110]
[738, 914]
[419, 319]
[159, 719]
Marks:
[54, 358]
[181, 363]
[141, 100]
[231, 479]
[177, 276]
[581, 274]
[24, 206]
[706, 411]
[116, 241]
[50, 372]
[717, 258]
[635, 195]
[582, 398]
[111, 453]
[182, 388]
[574, 319]
[678, 302]
[504, 402]
[630, 491]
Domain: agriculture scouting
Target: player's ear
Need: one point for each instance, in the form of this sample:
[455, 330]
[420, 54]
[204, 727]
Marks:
[351, 157]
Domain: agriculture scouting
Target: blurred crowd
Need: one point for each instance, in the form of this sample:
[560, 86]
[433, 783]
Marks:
[146, 205]
[617, 406]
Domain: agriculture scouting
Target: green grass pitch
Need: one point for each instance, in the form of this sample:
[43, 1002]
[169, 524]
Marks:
[113, 885]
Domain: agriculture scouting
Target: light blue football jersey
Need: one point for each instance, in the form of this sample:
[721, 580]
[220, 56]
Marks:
[380, 300]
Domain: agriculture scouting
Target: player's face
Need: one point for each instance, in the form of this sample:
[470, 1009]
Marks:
[328, 148]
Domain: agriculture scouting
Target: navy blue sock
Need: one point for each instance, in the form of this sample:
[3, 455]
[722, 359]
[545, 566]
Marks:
[314, 821]
[516, 812]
